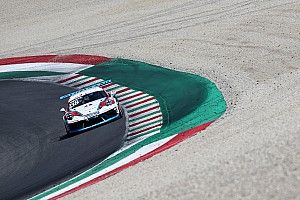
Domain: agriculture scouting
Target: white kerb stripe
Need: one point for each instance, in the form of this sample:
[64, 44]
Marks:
[122, 88]
[64, 77]
[146, 113]
[142, 119]
[90, 83]
[133, 98]
[139, 100]
[142, 104]
[128, 96]
[143, 109]
[146, 122]
[144, 127]
[112, 86]
[42, 66]
[80, 82]
[124, 92]
[72, 80]
[146, 136]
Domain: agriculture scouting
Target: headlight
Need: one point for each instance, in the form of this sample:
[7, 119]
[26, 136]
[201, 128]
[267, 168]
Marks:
[110, 102]
[107, 102]
[70, 115]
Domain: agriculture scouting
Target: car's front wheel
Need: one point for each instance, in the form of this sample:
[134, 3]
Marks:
[67, 129]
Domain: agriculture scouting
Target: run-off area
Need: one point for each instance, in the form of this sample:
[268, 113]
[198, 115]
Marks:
[34, 152]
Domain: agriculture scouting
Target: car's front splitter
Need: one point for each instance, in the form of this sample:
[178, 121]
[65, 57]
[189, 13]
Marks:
[95, 125]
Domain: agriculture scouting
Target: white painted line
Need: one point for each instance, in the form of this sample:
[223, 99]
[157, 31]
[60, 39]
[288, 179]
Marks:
[52, 67]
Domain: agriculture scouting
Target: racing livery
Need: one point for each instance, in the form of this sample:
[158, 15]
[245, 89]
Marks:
[90, 107]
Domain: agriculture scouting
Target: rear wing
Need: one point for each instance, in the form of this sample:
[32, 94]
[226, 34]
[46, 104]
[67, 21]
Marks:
[102, 83]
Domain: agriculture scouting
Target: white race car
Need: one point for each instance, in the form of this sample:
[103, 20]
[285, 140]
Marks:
[89, 108]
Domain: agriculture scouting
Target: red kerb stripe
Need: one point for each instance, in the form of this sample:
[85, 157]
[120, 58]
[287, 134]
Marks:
[138, 94]
[78, 59]
[89, 81]
[105, 86]
[138, 113]
[70, 78]
[123, 90]
[135, 104]
[146, 129]
[155, 117]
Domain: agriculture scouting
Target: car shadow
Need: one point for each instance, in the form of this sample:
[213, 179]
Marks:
[67, 136]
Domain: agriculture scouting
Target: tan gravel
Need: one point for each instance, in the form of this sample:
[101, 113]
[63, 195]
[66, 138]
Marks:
[251, 49]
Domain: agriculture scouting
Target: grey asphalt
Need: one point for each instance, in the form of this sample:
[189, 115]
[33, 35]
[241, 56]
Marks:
[34, 151]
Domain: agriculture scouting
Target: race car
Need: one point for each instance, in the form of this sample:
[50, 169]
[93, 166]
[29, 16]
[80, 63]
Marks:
[89, 108]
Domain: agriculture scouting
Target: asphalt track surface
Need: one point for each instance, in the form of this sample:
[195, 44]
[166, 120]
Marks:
[34, 150]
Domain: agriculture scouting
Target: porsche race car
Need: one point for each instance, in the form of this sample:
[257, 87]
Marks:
[89, 108]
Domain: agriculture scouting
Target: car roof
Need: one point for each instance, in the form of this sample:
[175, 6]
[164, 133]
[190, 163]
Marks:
[85, 92]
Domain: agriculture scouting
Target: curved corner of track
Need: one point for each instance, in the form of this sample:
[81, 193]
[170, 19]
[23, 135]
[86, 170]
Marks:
[164, 107]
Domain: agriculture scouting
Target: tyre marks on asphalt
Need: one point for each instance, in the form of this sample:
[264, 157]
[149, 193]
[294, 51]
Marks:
[144, 114]
[170, 18]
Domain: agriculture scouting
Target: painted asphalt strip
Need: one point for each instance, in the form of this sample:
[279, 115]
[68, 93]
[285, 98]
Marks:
[53, 67]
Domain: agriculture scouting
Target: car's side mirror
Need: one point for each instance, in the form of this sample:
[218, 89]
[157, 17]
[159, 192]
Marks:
[62, 110]
[112, 93]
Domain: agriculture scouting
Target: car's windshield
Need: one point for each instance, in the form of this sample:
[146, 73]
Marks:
[86, 99]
